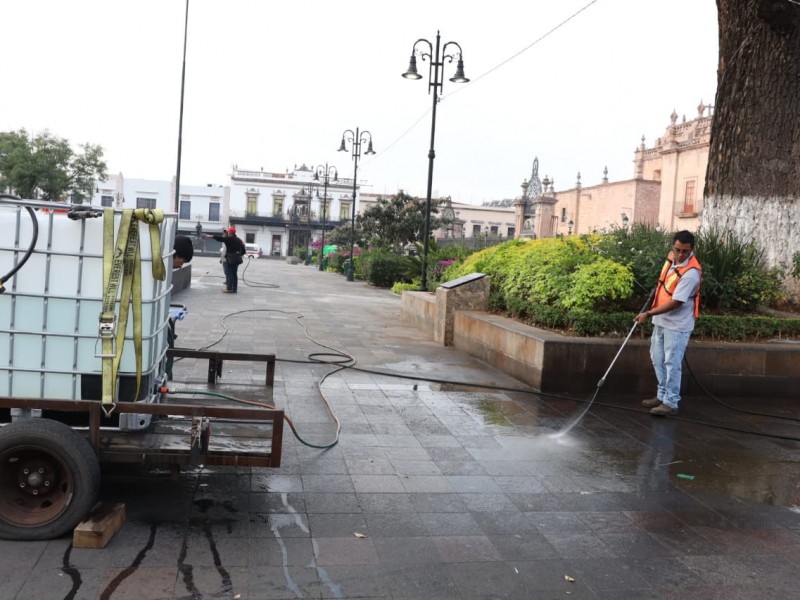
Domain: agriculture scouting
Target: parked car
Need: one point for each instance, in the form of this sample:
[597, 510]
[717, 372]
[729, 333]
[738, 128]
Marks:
[253, 250]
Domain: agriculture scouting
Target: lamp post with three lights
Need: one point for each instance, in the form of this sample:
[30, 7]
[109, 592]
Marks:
[355, 140]
[435, 83]
[324, 173]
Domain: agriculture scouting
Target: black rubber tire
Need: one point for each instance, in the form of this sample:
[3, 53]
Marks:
[49, 479]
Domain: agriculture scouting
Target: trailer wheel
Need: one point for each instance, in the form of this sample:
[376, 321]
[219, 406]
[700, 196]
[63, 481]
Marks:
[49, 479]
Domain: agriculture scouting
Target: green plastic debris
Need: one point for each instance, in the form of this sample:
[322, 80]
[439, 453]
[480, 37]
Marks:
[685, 476]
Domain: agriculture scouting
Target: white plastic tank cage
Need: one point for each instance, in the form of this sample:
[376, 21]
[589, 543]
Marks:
[50, 308]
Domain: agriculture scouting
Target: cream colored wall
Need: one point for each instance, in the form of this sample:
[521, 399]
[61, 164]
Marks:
[680, 155]
[600, 207]
[485, 216]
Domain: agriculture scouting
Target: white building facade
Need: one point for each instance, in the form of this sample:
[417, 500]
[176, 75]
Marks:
[282, 212]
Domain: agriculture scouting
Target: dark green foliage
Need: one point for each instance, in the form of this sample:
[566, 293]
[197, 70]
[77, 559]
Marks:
[46, 167]
[735, 276]
[391, 223]
[737, 328]
[588, 322]
[591, 323]
[643, 249]
[394, 222]
[339, 237]
[383, 268]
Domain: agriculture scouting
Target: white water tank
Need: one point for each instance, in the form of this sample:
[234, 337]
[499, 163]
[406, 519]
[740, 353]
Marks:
[50, 308]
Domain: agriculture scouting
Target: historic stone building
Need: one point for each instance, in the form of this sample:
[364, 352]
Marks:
[678, 160]
[666, 189]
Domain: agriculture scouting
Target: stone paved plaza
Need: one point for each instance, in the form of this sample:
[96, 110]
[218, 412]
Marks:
[435, 490]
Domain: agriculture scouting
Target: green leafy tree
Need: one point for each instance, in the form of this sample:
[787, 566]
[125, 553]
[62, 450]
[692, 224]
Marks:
[395, 222]
[45, 166]
[340, 237]
[392, 223]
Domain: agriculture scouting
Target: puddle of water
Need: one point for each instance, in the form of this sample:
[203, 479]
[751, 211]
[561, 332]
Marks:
[651, 460]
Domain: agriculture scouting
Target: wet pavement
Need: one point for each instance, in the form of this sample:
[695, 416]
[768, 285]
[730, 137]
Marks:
[435, 490]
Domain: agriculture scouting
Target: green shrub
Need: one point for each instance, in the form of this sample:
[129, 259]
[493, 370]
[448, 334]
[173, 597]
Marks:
[737, 328]
[399, 287]
[560, 272]
[586, 284]
[541, 273]
[735, 276]
[383, 268]
[548, 316]
[599, 284]
[643, 249]
[587, 322]
[492, 261]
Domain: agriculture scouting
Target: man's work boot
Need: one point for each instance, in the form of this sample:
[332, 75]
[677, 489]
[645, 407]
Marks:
[663, 410]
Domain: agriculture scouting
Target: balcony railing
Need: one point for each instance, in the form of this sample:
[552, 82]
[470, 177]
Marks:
[246, 218]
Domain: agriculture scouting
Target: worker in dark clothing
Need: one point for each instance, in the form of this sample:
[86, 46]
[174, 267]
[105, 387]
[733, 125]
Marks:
[234, 253]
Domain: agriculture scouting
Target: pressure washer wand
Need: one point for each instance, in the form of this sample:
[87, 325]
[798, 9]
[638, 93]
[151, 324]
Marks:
[603, 378]
[630, 333]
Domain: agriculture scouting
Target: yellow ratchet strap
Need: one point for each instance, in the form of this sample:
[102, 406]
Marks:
[122, 276]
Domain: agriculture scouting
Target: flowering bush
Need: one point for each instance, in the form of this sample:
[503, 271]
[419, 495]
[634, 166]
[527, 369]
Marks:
[440, 267]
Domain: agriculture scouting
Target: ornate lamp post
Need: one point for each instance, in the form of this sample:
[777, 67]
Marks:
[324, 173]
[355, 140]
[307, 259]
[435, 83]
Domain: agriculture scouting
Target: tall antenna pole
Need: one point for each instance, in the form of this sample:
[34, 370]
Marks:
[180, 120]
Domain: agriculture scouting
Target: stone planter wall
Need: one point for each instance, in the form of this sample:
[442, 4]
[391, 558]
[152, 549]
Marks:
[551, 362]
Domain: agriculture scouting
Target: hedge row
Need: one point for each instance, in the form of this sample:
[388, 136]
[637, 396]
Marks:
[708, 327]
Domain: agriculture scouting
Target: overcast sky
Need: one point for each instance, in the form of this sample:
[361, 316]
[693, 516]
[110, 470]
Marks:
[274, 84]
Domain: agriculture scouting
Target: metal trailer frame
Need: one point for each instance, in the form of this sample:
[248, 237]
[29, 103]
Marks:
[50, 472]
[244, 430]
[241, 445]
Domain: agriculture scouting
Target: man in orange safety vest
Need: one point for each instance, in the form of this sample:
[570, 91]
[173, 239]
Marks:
[675, 308]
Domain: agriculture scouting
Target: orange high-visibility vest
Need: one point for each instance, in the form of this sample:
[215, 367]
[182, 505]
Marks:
[669, 279]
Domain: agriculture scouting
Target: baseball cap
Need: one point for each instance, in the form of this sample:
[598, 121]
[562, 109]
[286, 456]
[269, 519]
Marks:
[231, 229]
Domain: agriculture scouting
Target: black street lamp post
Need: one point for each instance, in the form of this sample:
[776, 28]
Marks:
[307, 259]
[435, 83]
[355, 139]
[324, 173]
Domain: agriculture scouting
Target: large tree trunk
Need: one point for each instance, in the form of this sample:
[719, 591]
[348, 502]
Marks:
[753, 177]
